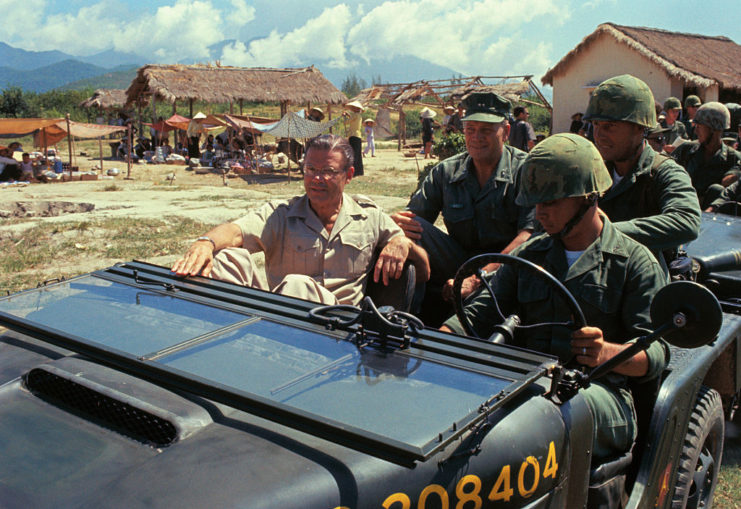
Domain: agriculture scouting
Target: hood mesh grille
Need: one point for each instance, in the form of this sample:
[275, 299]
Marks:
[101, 409]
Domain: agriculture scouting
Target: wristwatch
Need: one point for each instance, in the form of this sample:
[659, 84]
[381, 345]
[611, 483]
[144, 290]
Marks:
[208, 239]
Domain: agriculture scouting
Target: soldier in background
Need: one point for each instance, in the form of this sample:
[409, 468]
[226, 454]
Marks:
[691, 103]
[651, 199]
[672, 110]
[711, 164]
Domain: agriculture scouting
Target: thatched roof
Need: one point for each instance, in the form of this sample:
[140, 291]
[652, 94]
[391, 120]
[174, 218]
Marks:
[698, 60]
[105, 99]
[512, 91]
[215, 84]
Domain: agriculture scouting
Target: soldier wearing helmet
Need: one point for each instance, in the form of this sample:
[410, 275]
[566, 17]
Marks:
[712, 164]
[650, 200]
[672, 110]
[691, 103]
[612, 277]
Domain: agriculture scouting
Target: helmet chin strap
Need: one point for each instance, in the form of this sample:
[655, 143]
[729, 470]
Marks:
[589, 201]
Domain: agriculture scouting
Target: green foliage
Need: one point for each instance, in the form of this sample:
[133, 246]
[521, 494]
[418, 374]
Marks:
[423, 175]
[413, 124]
[352, 85]
[13, 104]
[449, 145]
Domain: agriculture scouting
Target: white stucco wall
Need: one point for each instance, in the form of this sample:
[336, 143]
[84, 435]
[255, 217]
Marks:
[604, 59]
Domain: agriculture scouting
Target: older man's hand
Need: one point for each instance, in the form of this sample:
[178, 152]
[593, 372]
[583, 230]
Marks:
[197, 260]
[391, 261]
[410, 226]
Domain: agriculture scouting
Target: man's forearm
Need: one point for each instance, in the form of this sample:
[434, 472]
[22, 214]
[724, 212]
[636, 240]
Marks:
[521, 237]
[225, 235]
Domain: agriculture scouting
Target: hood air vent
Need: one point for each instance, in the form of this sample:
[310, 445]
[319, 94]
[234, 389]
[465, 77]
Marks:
[102, 409]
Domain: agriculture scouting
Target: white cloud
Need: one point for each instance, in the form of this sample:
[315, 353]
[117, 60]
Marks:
[472, 37]
[173, 32]
[319, 39]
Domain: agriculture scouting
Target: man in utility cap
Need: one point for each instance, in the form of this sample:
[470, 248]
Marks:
[475, 191]
[612, 277]
[651, 199]
[691, 103]
[672, 110]
[712, 164]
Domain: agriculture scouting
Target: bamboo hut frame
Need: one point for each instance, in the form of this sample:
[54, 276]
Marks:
[439, 93]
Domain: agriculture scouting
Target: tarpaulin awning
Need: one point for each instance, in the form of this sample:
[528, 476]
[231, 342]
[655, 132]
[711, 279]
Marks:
[294, 125]
[52, 134]
[17, 127]
[210, 123]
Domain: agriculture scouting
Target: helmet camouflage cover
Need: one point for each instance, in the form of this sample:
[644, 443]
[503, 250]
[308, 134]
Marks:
[622, 98]
[562, 166]
[715, 115]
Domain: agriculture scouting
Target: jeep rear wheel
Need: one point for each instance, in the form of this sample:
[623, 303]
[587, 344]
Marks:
[699, 463]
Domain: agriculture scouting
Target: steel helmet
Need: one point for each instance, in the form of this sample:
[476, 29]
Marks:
[692, 100]
[714, 115]
[622, 98]
[562, 166]
[672, 103]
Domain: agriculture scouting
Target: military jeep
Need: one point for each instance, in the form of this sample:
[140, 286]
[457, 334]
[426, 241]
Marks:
[130, 387]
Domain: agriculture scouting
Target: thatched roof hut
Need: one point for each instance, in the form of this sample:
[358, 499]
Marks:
[105, 99]
[216, 84]
[698, 60]
[671, 63]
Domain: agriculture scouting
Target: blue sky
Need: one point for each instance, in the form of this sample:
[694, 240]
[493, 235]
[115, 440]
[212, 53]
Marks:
[472, 37]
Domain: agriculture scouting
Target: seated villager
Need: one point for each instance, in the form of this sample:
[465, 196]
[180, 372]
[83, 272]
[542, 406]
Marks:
[318, 246]
[10, 169]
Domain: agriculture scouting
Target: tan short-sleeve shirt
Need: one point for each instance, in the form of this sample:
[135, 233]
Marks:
[295, 242]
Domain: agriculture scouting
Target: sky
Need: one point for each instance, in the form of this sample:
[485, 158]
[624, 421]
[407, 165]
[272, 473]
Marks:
[471, 37]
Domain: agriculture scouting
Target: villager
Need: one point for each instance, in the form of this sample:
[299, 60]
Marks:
[316, 114]
[576, 123]
[651, 199]
[10, 169]
[318, 246]
[370, 137]
[353, 111]
[428, 126]
[455, 125]
[711, 164]
[612, 277]
[672, 110]
[194, 132]
[475, 192]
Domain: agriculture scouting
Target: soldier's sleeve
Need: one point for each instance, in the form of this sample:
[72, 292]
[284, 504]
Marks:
[427, 201]
[730, 193]
[480, 308]
[679, 220]
[525, 215]
[734, 157]
[645, 278]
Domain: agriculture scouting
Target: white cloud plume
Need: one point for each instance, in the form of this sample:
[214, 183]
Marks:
[319, 39]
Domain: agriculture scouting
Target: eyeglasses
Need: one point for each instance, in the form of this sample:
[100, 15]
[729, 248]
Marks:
[658, 139]
[325, 173]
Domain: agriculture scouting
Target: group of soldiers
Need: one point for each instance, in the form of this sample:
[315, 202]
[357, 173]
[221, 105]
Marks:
[605, 218]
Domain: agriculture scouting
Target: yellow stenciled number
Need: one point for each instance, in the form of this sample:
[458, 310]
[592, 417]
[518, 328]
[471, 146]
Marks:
[433, 489]
[468, 496]
[502, 489]
[530, 460]
[400, 498]
[551, 466]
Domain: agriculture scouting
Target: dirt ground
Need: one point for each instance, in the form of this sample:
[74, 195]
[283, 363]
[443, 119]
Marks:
[151, 192]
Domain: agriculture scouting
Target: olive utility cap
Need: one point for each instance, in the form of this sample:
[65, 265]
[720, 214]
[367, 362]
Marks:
[714, 115]
[622, 98]
[692, 100]
[486, 107]
[562, 166]
[672, 103]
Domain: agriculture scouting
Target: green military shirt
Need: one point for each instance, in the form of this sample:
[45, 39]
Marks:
[614, 282]
[678, 131]
[706, 172]
[730, 194]
[661, 212]
[478, 219]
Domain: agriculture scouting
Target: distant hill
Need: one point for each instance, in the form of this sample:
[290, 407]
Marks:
[400, 69]
[22, 60]
[113, 79]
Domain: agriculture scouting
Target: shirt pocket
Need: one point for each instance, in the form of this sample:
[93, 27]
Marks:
[598, 300]
[352, 255]
[304, 255]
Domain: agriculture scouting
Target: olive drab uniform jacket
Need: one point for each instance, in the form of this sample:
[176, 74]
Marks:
[654, 204]
[704, 173]
[614, 282]
[480, 220]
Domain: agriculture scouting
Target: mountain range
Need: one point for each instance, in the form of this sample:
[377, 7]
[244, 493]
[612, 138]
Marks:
[41, 71]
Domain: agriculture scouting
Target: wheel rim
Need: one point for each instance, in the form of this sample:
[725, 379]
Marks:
[702, 479]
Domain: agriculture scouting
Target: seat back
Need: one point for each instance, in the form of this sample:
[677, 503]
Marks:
[398, 293]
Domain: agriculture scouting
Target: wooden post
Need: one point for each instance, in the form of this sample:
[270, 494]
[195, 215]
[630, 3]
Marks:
[139, 115]
[128, 152]
[329, 115]
[174, 107]
[157, 135]
[100, 151]
[69, 142]
[190, 103]
[241, 104]
[231, 108]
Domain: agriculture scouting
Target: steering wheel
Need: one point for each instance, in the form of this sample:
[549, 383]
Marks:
[475, 266]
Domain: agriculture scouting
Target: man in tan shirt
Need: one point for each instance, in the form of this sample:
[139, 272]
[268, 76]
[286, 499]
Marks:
[318, 246]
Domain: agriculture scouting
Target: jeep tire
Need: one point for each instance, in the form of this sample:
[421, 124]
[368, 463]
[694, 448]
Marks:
[699, 462]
